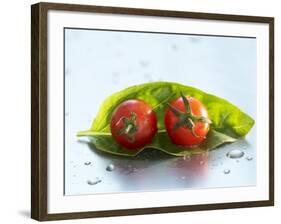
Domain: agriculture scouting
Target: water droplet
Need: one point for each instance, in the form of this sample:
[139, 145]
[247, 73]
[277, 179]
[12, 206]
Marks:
[87, 163]
[130, 169]
[144, 63]
[147, 76]
[237, 160]
[94, 182]
[226, 171]
[174, 47]
[249, 158]
[183, 177]
[244, 147]
[110, 167]
[115, 74]
[202, 162]
[186, 157]
[194, 39]
[66, 114]
[115, 81]
[130, 70]
[117, 54]
[67, 72]
[235, 153]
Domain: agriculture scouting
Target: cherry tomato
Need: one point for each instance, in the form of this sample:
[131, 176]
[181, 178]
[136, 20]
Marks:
[133, 124]
[186, 121]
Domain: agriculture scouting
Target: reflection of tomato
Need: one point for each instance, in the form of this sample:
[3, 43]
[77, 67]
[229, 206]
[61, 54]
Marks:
[133, 124]
[194, 166]
[186, 121]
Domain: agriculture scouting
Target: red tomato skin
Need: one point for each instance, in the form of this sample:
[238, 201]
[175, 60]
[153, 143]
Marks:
[146, 122]
[183, 136]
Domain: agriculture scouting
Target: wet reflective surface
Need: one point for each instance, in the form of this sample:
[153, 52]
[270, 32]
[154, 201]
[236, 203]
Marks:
[153, 170]
[100, 63]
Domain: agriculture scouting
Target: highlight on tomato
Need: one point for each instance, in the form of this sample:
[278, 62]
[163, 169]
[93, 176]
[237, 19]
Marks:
[186, 121]
[133, 124]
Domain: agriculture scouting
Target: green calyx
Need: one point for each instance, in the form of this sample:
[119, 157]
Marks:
[187, 119]
[130, 127]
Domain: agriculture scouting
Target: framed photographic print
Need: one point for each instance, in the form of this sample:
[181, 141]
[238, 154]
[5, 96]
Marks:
[141, 111]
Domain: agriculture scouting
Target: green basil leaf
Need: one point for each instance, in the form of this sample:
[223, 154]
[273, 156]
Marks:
[104, 142]
[228, 121]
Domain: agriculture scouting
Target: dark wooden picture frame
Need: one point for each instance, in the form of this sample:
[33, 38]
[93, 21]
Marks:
[39, 149]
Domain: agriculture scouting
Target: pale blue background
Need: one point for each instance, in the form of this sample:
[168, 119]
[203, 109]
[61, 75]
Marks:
[98, 63]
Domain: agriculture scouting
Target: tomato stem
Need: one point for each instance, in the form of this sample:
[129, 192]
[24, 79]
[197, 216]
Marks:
[187, 119]
[130, 127]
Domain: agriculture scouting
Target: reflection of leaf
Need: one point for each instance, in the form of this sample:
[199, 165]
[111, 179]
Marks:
[161, 142]
[226, 118]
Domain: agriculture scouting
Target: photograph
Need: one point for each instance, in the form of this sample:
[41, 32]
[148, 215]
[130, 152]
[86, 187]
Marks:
[140, 111]
[143, 111]
[158, 111]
